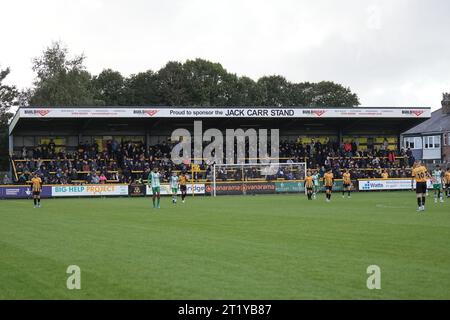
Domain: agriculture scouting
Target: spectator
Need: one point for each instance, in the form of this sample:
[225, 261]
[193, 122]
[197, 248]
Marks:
[391, 156]
[354, 147]
[385, 146]
[23, 178]
[6, 179]
[74, 175]
[411, 158]
[102, 178]
[95, 179]
[51, 145]
[402, 158]
[347, 149]
[86, 167]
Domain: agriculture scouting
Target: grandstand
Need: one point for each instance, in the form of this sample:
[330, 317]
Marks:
[120, 144]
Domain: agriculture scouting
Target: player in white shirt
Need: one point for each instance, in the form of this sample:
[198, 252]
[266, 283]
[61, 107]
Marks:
[437, 184]
[316, 179]
[153, 181]
[174, 186]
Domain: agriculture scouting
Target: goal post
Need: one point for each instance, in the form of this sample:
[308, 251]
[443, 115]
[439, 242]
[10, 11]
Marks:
[248, 178]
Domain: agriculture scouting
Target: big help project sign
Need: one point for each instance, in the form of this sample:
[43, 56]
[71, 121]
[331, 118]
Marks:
[90, 190]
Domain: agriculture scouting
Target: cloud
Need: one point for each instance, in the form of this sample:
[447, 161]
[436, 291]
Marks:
[374, 17]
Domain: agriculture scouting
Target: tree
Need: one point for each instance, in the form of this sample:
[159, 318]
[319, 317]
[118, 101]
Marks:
[172, 84]
[8, 96]
[275, 91]
[109, 88]
[205, 83]
[61, 81]
[244, 92]
[142, 89]
[301, 94]
[330, 94]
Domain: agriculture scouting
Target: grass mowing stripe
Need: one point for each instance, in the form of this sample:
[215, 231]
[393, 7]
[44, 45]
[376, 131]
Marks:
[231, 247]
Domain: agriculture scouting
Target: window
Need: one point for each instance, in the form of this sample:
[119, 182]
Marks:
[418, 142]
[45, 140]
[408, 143]
[432, 142]
[412, 142]
[437, 142]
[28, 141]
[18, 141]
[427, 141]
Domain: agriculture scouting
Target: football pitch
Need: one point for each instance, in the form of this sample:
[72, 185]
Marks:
[228, 247]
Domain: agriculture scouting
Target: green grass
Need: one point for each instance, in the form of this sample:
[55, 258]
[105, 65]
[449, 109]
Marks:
[229, 247]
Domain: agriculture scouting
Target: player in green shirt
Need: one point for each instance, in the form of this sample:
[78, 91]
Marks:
[174, 186]
[437, 184]
[154, 182]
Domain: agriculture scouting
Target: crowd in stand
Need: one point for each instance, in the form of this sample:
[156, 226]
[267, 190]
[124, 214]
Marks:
[129, 161]
[117, 162]
[369, 163]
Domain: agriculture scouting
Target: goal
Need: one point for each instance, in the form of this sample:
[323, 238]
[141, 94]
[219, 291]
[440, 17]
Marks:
[253, 178]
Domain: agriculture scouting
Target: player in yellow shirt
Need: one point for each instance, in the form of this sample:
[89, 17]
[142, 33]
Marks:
[182, 180]
[420, 175]
[347, 184]
[36, 188]
[447, 182]
[328, 181]
[309, 185]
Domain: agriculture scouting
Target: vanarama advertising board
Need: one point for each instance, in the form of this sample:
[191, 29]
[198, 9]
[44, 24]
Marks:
[242, 188]
[90, 190]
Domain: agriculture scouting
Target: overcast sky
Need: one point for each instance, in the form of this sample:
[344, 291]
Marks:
[390, 52]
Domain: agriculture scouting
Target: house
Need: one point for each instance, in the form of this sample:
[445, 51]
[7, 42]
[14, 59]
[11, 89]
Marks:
[430, 140]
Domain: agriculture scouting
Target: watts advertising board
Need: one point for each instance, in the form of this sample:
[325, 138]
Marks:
[388, 184]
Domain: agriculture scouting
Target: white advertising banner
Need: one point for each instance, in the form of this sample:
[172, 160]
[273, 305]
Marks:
[90, 190]
[237, 112]
[388, 184]
[166, 190]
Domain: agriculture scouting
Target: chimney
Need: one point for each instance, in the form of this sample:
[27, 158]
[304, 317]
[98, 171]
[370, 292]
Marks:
[446, 103]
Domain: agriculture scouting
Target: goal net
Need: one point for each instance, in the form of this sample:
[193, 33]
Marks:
[256, 178]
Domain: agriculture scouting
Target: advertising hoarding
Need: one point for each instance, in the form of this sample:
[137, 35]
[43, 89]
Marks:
[388, 184]
[165, 189]
[22, 192]
[89, 190]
